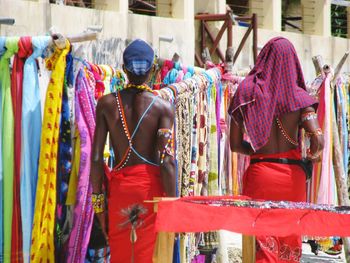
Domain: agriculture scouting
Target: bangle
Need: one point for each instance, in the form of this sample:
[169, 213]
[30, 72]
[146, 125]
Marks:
[98, 202]
[308, 116]
[317, 132]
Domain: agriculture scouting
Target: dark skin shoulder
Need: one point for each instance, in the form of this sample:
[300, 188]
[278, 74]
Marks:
[277, 142]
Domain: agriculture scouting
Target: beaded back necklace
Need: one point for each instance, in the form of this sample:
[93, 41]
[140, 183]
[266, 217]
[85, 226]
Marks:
[285, 134]
[126, 156]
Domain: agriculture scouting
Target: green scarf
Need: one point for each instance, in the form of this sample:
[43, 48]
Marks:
[8, 142]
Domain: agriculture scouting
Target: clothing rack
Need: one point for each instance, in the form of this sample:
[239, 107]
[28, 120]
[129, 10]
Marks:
[60, 41]
[342, 193]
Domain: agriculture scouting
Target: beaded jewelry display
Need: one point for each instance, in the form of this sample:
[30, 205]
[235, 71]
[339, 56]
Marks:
[98, 203]
[285, 134]
[168, 148]
[308, 116]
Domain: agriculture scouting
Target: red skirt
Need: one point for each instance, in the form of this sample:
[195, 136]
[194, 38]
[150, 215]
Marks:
[276, 182]
[127, 187]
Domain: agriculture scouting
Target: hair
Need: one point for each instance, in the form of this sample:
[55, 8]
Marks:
[137, 79]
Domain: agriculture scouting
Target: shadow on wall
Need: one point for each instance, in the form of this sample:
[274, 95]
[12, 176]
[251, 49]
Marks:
[107, 51]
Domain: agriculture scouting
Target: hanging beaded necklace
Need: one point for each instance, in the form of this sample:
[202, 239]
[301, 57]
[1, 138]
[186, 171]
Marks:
[139, 87]
[127, 154]
[285, 134]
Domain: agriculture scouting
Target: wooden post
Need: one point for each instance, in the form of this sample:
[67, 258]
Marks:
[229, 59]
[255, 36]
[206, 55]
[340, 66]
[248, 249]
[318, 63]
[164, 247]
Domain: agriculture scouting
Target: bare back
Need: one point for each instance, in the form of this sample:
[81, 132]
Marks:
[135, 103]
[277, 141]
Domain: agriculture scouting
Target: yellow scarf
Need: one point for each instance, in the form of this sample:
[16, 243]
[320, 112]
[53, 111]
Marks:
[42, 249]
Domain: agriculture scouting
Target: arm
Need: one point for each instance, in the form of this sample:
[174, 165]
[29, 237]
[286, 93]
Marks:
[167, 165]
[97, 163]
[310, 123]
[236, 140]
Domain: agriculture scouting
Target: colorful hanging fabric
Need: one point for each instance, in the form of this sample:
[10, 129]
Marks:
[83, 213]
[2, 51]
[324, 193]
[73, 179]
[202, 143]
[24, 51]
[194, 143]
[213, 142]
[31, 133]
[42, 249]
[11, 45]
[64, 163]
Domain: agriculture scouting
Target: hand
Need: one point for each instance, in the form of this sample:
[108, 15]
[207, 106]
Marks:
[316, 147]
[102, 218]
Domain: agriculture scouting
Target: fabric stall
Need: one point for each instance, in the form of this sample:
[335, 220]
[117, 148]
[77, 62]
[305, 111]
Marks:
[47, 122]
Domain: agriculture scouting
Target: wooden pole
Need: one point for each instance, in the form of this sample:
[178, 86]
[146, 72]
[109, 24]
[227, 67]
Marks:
[255, 37]
[318, 64]
[342, 191]
[340, 66]
[60, 41]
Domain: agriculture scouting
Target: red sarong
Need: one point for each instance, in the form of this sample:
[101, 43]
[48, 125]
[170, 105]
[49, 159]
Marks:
[276, 182]
[127, 187]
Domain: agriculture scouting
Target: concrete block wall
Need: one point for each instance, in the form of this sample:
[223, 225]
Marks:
[36, 17]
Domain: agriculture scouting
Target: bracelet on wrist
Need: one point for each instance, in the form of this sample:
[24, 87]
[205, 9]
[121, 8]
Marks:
[308, 116]
[98, 202]
[317, 132]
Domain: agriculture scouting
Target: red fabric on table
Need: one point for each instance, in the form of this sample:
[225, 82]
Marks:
[24, 51]
[183, 216]
[129, 186]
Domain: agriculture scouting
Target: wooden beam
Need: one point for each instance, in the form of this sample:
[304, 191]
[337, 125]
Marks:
[340, 65]
[212, 38]
[240, 47]
[218, 37]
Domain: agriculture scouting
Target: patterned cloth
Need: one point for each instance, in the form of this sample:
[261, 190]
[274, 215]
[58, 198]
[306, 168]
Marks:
[44, 217]
[274, 87]
[64, 162]
[24, 51]
[83, 213]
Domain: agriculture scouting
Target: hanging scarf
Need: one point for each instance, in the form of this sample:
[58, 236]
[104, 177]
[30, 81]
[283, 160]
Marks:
[2, 51]
[31, 132]
[24, 51]
[85, 119]
[275, 85]
[64, 163]
[8, 147]
[213, 142]
[45, 203]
